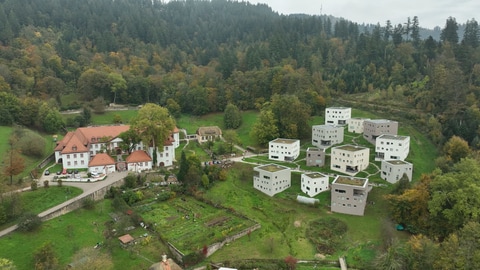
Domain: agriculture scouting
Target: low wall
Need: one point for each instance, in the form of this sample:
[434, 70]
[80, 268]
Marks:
[77, 202]
[216, 246]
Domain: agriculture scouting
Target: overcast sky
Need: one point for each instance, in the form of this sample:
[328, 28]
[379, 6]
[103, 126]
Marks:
[430, 13]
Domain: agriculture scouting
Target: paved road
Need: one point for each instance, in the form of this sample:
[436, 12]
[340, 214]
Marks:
[88, 188]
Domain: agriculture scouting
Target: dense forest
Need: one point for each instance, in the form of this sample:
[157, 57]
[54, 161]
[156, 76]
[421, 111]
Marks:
[198, 56]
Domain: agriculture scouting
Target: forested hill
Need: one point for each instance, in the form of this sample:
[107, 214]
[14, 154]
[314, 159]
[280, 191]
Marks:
[198, 56]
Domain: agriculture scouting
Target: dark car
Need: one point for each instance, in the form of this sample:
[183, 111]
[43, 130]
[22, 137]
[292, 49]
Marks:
[75, 171]
[47, 172]
[59, 172]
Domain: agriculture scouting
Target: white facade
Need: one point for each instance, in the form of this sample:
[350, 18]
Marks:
[165, 158]
[271, 179]
[393, 170]
[284, 149]
[105, 169]
[337, 115]
[74, 160]
[349, 159]
[314, 183]
[324, 136]
[392, 147]
[355, 125]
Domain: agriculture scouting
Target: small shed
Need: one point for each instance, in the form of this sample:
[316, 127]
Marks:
[126, 239]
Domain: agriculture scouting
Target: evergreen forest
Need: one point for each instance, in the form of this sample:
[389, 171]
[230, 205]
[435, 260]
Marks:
[197, 57]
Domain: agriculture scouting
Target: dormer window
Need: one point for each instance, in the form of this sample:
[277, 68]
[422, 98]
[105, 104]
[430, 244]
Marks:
[93, 139]
[74, 148]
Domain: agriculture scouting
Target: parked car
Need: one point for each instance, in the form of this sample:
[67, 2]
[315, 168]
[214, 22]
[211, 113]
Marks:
[58, 172]
[47, 172]
[75, 171]
[64, 171]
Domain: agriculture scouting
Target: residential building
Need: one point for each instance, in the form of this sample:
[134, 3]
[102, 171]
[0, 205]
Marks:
[349, 195]
[205, 134]
[337, 115]
[101, 163]
[78, 148]
[315, 157]
[349, 159]
[139, 161]
[393, 170]
[375, 127]
[355, 124]
[392, 147]
[324, 136]
[271, 179]
[314, 183]
[283, 149]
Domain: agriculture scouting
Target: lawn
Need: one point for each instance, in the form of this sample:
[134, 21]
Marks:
[73, 231]
[44, 198]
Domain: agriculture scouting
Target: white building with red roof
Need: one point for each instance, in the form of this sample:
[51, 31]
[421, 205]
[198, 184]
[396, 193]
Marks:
[101, 163]
[78, 148]
[139, 161]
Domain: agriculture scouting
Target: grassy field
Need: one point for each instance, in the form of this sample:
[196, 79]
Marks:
[73, 231]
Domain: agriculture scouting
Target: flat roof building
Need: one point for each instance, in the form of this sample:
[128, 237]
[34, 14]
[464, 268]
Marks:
[392, 147]
[271, 179]
[393, 170]
[284, 149]
[337, 115]
[315, 157]
[375, 127]
[349, 159]
[325, 136]
[349, 195]
[314, 183]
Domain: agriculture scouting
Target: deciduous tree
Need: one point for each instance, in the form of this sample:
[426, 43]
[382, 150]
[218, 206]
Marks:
[153, 124]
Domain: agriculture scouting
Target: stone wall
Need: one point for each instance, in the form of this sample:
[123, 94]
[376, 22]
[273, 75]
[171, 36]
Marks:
[77, 202]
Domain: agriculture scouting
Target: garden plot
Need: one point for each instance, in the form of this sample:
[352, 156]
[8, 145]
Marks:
[190, 224]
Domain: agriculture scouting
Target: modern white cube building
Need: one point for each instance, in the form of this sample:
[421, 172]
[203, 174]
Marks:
[314, 183]
[349, 195]
[349, 159]
[355, 124]
[337, 115]
[375, 127]
[284, 149]
[393, 170]
[324, 136]
[271, 179]
[392, 147]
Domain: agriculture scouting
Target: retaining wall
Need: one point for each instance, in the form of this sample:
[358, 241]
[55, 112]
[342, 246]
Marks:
[77, 202]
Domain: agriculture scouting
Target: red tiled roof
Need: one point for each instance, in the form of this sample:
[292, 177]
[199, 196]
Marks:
[176, 130]
[138, 156]
[81, 138]
[125, 239]
[101, 159]
[96, 134]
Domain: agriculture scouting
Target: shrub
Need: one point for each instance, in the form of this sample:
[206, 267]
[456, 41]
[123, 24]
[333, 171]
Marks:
[29, 222]
[46, 184]
[34, 186]
[60, 182]
[89, 203]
